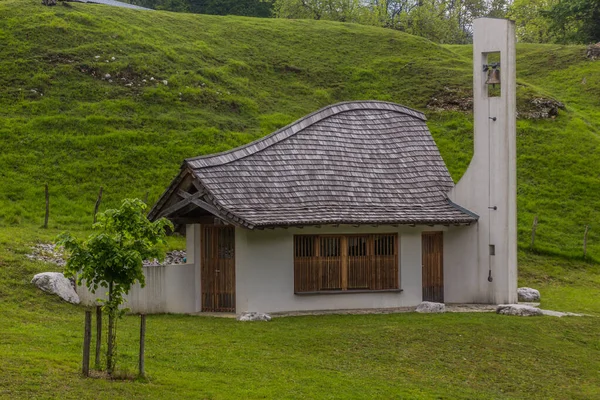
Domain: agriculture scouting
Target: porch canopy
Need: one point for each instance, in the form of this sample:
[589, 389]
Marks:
[362, 162]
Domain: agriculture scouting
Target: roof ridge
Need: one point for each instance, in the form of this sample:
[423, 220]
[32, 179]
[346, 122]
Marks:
[295, 127]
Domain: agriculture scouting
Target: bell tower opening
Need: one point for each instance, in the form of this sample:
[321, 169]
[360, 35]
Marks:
[491, 69]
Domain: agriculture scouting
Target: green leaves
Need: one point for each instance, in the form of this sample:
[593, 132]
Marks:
[575, 21]
[123, 238]
[112, 257]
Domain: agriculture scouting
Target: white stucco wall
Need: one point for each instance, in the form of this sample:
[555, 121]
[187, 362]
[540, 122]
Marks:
[265, 272]
[169, 289]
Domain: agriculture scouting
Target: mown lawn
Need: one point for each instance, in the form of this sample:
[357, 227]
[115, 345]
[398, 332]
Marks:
[477, 355]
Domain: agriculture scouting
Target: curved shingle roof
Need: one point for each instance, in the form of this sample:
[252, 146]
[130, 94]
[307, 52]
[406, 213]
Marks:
[364, 162]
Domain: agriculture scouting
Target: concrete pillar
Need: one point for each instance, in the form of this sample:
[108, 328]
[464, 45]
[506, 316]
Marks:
[192, 249]
[488, 187]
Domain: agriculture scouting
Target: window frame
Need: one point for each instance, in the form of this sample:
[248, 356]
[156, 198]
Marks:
[309, 264]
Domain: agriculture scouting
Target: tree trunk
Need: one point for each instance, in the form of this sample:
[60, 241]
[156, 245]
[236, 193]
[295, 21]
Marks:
[111, 331]
[98, 336]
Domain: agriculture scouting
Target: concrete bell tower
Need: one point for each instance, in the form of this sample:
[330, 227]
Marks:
[485, 255]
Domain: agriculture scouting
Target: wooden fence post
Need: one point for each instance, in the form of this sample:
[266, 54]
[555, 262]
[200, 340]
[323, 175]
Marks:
[142, 343]
[98, 336]
[535, 222]
[585, 240]
[97, 203]
[47, 206]
[87, 338]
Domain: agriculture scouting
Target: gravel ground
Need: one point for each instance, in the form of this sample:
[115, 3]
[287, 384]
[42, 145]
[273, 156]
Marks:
[51, 253]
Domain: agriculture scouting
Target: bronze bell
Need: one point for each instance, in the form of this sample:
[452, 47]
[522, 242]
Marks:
[493, 77]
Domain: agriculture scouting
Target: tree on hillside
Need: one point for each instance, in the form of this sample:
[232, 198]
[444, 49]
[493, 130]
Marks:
[531, 24]
[334, 10]
[443, 21]
[575, 21]
[111, 257]
[433, 20]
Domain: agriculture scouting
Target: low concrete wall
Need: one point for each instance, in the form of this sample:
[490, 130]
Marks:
[169, 289]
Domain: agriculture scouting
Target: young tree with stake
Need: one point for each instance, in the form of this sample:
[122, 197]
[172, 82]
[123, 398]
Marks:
[111, 257]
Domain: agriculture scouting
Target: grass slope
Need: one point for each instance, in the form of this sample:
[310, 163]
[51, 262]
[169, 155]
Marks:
[231, 80]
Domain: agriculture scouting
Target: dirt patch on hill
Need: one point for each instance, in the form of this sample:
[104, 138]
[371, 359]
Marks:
[451, 99]
[593, 51]
[540, 108]
[460, 100]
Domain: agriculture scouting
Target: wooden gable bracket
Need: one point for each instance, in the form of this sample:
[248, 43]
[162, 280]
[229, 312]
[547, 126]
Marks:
[204, 220]
[179, 205]
[185, 195]
[198, 185]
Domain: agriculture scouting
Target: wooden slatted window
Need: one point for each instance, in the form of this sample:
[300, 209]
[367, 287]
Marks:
[345, 262]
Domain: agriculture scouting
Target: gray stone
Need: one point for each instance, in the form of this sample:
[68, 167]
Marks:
[48, 252]
[528, 294]
[56, 283]
[519, 310]
[253, 316]
[431, 307]
[171, 258]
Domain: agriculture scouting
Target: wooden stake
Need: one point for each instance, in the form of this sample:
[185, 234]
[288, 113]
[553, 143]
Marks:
[87, 338]
[47, 206]
[142, 343]
[585, 240]
[110, 361]
[97, 203]
[535, 222]
[146, 197]
[98, 336]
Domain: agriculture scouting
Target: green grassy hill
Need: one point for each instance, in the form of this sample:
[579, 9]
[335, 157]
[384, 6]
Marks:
[83, 105]
[231, 80]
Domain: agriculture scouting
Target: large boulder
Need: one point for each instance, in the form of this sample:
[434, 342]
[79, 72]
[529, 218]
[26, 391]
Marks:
[56, 283]
[528, 295]
[253, 316]
[520, 310]
[431, 307]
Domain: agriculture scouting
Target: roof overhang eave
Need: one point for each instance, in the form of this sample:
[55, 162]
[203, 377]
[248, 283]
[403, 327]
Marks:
[285, 225]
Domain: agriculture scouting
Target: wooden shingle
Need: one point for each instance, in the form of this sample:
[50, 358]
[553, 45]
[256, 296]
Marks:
[364, 162]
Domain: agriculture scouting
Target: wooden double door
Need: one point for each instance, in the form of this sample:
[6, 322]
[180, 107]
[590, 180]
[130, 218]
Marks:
[217, 265]
[433, 266]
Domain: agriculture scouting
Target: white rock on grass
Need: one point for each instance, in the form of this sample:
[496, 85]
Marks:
[56, 283]
[528, 295]
[560, 314]
[431, 307]
[520, 310]
[253, 316]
